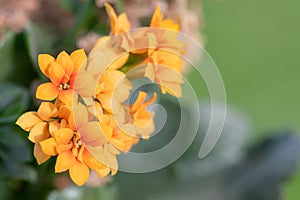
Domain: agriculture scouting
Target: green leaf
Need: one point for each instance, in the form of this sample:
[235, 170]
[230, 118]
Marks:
[4, 189]
[19, 171]
[67, 5]
[37, 41]
[6, 55]
[85, 193]
[15, 153]
[14, 145]
[14, 100]
[108, 192]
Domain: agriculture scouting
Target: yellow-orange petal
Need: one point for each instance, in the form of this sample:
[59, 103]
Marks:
[139, 101]
[104, 155]
[156, 17]
[169, 24]
[79, 117]
[119, 61]
[112, 160]
[79, 173]
[91, 134]
[66, 63]
[103, 172]
[123, 23]
[68, 97]
[152, 40]
[100, 41]
[107, 130]
[56, 73]
[149, 72]
[63, 123]
[112, 149]
[64, 112]
[39, 132]
[47, 111]
[98, 154]
[157, 21]
[63, 136]
[28, 120]
[111, 79]
[173, 89]
[53, 126]
[169, 75]
[85, 84]
[113, 18]
[64, 147]
[48, 146]
[101, 57]
[79, 60]
[90, 161]
[39, 155]
[44, 61]
[47, 91]
[113, 172]
[64, 161]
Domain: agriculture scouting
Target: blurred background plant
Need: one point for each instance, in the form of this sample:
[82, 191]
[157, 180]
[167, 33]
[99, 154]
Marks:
[254, 44]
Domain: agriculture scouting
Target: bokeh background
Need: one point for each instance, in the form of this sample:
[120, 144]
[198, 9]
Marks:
[255, 45]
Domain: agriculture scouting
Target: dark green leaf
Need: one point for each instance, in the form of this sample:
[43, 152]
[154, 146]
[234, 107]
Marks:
[19, 172]
[4, 189]
[37, 41]
[6, 55]
[15, 152]
[14, 100]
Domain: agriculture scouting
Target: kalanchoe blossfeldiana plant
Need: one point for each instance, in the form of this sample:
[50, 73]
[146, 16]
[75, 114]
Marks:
[85, 120]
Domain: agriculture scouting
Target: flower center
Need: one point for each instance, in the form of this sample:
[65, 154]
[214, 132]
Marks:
[65, 86]
[78, 144]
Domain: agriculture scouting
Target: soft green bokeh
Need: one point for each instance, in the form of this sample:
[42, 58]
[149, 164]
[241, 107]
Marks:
[256, 44]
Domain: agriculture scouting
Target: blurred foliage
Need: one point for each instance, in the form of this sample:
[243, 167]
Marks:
[108, 192]
[14, 100]
[255, 45]
[6, 55]
[15, 150]
[256, 50]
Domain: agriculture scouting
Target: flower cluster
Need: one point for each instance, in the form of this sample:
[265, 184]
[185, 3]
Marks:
[85, 119]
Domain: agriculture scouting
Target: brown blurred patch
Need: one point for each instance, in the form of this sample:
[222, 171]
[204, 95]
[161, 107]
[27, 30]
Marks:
[53, 15]
[14, 14]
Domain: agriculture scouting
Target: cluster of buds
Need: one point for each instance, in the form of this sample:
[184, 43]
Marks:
[86, 118]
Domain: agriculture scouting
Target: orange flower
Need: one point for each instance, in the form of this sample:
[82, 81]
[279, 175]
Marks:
[113, 87]
[75, 148]
[41, 125]
[165, 68]
[105, 56]
[90, 135]
[135, 120]
[141, 117]
[157, 21]
[107, 53]
[165, 33]
[67, 77]
[115, 135]
[118, 24]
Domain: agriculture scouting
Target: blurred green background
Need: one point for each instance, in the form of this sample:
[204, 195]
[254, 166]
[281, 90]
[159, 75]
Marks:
[255, 45]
